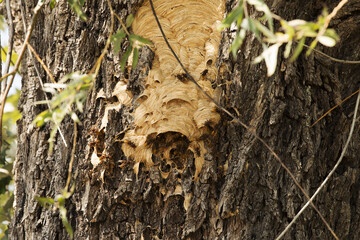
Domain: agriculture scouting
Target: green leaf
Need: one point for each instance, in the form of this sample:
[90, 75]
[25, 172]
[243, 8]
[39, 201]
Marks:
[14, 56]
[76, 6]
[312, 46]
[79, 106]
[52, 139]
[129, 20]
[288, 28]
[287, 49]
[52, 3]
[237, 42]
[253, 28]
[135, 57]
[42, 118]
[232, 16]
[120, 34]
[2, 22]
[140, 39]
[65, 221]
[307, 30]
[261, 6]
[45, 202]
[117, 40]
[298, 50]
[60, 199]
[125, 58]
[331, 33]
[67, 194]
[322, 18]
[240, 18]
[270, 35]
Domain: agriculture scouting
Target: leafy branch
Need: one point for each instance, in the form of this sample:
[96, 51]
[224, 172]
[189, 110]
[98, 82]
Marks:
[74, 92]
[294, 31]
[66, 93]
[133, 47]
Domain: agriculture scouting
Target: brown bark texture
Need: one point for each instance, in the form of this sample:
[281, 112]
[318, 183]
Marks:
[242, 192]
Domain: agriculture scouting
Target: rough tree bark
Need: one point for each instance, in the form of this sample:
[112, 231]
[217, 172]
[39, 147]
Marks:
[242, 191]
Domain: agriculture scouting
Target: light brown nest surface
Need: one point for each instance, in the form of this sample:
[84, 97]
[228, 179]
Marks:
[171, 104]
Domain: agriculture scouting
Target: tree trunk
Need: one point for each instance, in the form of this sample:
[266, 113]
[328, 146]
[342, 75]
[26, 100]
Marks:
[241, 192]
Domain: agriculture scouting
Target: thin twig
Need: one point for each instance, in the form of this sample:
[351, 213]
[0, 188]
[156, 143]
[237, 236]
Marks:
[72, 157]
[8, 57]
[329, 17]
[27, 38]
[122, 23]
[253, 132]
[22, 10]
[332, 58]
[335, 107]
[10, 41]
[47, 70]
[329, 175]
[245, 9]
[96, 67]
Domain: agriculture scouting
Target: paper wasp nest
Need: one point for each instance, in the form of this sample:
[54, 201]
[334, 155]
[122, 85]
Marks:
[173, 115]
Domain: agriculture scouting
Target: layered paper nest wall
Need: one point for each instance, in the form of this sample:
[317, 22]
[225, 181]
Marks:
[173, 114]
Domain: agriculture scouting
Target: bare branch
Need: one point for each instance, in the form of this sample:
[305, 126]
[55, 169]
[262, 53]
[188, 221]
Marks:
[96, 67]
[72, 158]
[329, 17]
[332, 58]
[335, 107]
[47, 70]
[122, 24]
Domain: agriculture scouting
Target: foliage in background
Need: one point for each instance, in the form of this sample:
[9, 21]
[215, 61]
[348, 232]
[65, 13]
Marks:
[2, 21]
[7, 157]
[294, 31]
[14, 56]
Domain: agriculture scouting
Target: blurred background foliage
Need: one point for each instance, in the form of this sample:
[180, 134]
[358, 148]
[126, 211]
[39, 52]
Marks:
[8, 147]
[7, 157]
